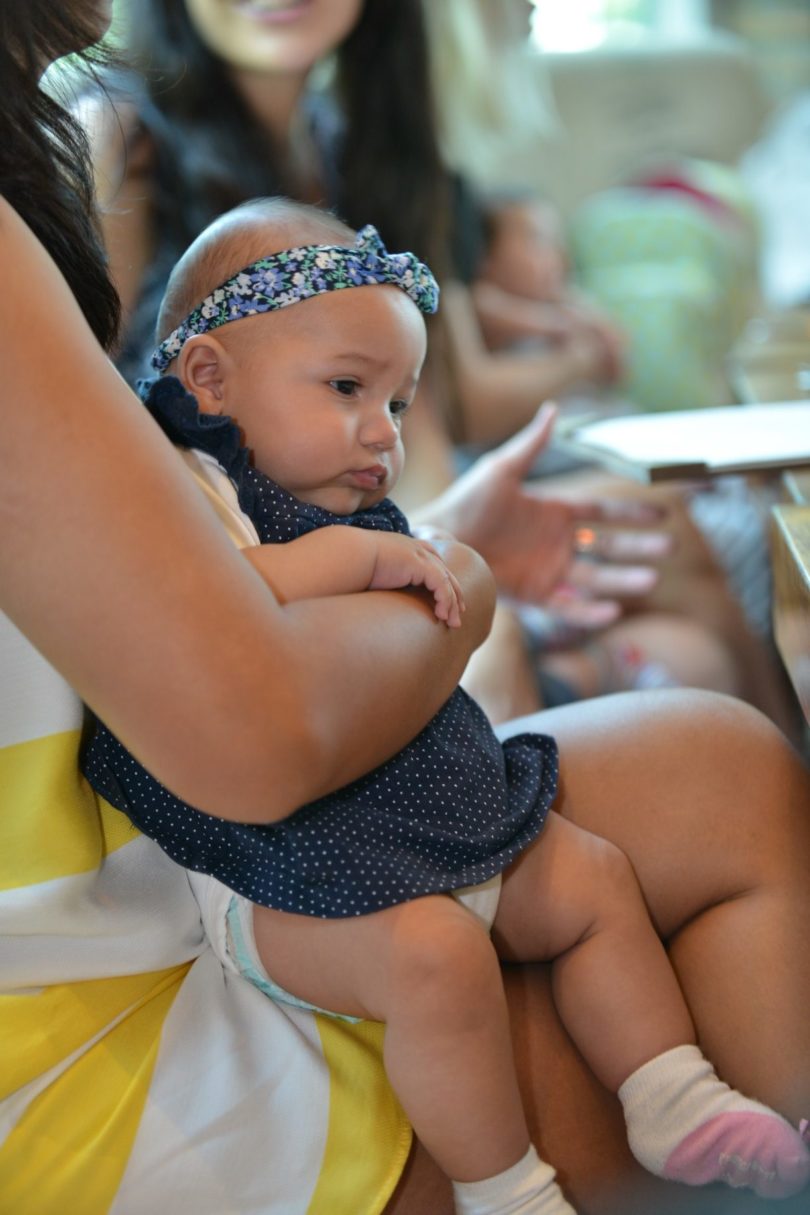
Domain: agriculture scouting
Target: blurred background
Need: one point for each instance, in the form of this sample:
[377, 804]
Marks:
[673, 137]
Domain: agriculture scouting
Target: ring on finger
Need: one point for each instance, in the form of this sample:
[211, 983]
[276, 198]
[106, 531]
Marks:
[585, 542]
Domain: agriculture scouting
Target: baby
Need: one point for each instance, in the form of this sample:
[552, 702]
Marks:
[294, 348]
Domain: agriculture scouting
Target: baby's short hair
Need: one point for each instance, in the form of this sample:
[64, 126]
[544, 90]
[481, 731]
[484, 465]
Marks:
[241, 236]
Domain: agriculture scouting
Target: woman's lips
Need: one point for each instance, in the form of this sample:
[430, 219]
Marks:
[273, 14]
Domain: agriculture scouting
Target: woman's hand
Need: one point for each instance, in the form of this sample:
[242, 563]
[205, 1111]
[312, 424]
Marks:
[550, 551]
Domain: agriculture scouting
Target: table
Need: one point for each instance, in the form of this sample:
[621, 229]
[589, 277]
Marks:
[791, 594]
[772, 363]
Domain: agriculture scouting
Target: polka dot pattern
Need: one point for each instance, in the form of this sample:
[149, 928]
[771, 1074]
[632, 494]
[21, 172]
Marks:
[452, 809]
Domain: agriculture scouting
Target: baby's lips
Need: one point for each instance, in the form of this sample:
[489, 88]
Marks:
[369, 478]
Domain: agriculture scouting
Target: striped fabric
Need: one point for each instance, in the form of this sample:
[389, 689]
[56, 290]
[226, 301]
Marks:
[135, 1077]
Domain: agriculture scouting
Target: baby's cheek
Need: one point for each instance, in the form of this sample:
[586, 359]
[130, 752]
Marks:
[397, 464]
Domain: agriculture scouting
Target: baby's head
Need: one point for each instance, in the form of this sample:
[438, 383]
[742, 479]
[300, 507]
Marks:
[310, 337]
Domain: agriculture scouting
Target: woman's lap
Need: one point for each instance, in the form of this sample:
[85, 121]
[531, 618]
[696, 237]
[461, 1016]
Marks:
[712, 807]
[701, 791]
[578, 1127]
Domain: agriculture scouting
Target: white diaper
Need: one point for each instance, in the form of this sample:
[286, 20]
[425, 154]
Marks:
[228, 922]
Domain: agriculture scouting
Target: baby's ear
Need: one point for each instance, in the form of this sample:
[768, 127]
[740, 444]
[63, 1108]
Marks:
[203, 368]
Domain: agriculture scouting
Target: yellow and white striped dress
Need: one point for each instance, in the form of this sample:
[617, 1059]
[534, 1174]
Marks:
[136, 1076]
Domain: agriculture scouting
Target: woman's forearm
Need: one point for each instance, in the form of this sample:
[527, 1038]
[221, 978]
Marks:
[389, 665]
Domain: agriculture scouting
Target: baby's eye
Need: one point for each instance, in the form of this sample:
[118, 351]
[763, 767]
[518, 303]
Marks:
[346, 388]
[398, 408]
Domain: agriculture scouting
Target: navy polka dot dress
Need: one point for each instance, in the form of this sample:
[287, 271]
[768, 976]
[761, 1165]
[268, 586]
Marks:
[452, 809]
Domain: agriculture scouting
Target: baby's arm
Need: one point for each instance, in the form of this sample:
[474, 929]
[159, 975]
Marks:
[342, 560]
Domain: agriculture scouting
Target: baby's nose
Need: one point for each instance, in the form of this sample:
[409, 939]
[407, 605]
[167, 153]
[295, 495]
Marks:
[380, 430]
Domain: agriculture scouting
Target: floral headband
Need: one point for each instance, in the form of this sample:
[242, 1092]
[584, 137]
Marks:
[285, 278]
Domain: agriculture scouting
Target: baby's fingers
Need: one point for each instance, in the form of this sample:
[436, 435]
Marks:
[447, 594]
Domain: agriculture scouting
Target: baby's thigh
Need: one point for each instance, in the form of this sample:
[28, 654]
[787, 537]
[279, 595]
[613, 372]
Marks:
[559, 891]
[362, 966]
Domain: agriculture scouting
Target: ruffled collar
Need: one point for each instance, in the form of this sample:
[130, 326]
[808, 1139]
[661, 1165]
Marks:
[277, 514]
[179, 416]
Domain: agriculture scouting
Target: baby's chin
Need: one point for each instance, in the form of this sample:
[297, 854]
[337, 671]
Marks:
[342, 500]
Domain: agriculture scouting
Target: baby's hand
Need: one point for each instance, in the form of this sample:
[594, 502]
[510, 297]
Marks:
[405, 561]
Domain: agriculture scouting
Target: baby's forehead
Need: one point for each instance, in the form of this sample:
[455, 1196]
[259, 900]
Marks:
[326, 316]
[226, 277]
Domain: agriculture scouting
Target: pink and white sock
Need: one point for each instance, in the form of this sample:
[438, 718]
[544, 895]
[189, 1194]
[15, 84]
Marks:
[685, 1124]
[527, 1188]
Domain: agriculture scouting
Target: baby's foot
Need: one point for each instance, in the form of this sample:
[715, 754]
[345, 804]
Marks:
[754, 1148]
[685, 1124]
[527, 1188]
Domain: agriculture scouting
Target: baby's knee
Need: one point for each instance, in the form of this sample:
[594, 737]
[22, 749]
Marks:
[444, 947]
[609, 875]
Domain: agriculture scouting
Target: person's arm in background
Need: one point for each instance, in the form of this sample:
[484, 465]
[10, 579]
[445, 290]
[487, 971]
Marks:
[530, 538]
[123, 180]
[499, 391]
[529, 541]
[112, 564]
[525, 290]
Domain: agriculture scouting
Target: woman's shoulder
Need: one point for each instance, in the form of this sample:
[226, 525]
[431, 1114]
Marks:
[9, 215]
[36, 300]
[21, 251]
[29, 271]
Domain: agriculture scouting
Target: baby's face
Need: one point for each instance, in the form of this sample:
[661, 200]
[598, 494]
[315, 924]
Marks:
[319, 390]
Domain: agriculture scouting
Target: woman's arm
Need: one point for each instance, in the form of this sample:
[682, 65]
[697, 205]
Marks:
[112, 565]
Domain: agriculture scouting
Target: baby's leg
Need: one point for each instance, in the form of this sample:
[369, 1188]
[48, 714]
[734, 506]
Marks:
[574, 898]
[428, 970]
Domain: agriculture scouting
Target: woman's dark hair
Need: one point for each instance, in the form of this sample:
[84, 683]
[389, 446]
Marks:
[45, 170]
[391, 168]
[210, 152]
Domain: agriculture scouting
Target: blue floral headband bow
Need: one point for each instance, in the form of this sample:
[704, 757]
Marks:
[285, 278]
